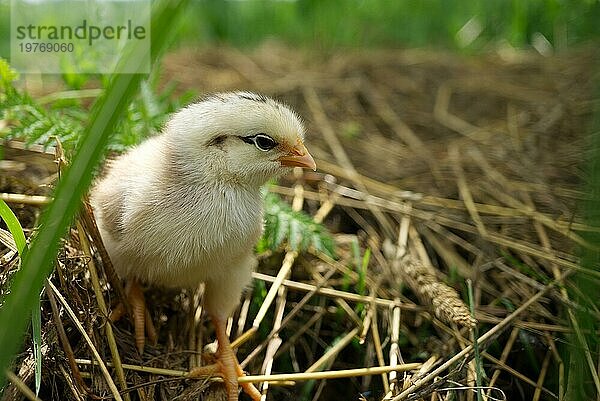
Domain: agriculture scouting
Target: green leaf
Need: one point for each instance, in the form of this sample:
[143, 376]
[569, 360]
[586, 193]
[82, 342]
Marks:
[7, 75]
[65, 117]
[37, 262]
[14, 227]
[301, 232]
[281, 226]
[295, 234]
[36, 328]
[36, 316]
[34, 124]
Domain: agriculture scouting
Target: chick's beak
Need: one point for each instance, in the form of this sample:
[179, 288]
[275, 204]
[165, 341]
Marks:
[298, 157]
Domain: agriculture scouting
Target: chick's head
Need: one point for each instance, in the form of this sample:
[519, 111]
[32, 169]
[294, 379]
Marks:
[241, 137]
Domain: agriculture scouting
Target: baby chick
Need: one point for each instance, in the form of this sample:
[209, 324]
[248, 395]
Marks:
[185, 207]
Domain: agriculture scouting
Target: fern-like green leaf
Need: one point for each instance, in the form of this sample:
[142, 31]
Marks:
[297, 228]
[7, 75]
[64, 119]
[32, 123]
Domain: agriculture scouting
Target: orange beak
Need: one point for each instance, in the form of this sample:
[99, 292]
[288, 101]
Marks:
[298, 157]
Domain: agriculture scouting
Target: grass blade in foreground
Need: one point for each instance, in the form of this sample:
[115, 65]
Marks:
[38, 260]
[14, 226]
[583, 369]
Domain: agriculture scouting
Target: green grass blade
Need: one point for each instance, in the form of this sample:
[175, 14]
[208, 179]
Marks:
[477, 356]
[14, 226]
[582, 372]
[38, 260]
[36, 329]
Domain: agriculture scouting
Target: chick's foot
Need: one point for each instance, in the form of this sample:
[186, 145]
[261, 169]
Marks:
[227, 366]
[142, 321]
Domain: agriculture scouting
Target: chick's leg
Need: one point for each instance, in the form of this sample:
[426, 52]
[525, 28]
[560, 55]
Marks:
[227, 365]
[142, 322]
[220, 298]
[230, 367]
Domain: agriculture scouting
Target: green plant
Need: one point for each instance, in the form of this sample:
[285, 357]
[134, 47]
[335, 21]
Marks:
[390, 23]
[29, 120]
[13, 225]
[479, 372]
[583, 343]
[301, 232]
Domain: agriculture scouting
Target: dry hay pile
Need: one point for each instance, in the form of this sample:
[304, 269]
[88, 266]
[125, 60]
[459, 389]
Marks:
[434, 170]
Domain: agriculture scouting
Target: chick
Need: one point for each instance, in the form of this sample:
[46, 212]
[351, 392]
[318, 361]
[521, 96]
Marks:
[185, 207]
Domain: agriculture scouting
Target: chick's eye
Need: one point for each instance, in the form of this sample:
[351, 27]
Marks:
[264, 142]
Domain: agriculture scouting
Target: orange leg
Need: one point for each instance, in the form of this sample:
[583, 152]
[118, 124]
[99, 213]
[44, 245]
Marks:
[142, 322]
[227, 365]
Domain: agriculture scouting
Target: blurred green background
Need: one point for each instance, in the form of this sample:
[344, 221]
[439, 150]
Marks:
[381, 23]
